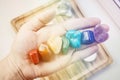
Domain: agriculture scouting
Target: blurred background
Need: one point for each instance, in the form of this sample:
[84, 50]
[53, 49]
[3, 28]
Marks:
[107, 10]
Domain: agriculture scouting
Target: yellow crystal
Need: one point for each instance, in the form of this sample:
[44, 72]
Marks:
[55, 44]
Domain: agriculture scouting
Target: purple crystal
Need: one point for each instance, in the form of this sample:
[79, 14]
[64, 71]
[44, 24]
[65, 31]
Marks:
[99, 29]
[100, 33]
[101, 37]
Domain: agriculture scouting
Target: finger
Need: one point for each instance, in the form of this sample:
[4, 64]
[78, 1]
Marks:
[84, 53]
[104, 27]
[75, 24]
[62, 61]
[80, 23]
[58, 63]
[39, 20]
[60, 29]
[47, 68]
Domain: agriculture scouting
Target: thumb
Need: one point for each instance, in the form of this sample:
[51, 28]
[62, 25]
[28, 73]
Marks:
[39, 20]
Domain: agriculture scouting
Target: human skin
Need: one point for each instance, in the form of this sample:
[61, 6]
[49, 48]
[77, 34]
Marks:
[17, 65]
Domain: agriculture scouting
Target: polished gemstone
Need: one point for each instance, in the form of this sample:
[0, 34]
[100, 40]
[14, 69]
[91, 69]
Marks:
[74, 38]
[87, 37]
[75, 43]
[70, 34]
[100, 34]
[55, 44]
[101, 37]
[34, 57]
[44, 51]
[65, 45]
[99, 29]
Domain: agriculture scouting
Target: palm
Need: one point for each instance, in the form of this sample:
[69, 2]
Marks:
[31, 36]
[27, 40]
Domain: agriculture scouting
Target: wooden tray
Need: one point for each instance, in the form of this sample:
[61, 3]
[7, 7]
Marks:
[79, 70]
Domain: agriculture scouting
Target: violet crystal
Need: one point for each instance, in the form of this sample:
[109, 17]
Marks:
[100, 34]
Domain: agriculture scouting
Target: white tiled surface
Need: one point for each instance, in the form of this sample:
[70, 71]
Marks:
[13, 8]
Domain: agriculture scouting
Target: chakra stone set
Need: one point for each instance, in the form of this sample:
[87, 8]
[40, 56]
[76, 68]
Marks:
[72, 38]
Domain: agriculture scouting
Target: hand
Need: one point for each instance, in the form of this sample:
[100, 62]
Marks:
[34, 32]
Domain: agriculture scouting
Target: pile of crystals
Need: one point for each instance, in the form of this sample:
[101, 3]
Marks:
[72, 38]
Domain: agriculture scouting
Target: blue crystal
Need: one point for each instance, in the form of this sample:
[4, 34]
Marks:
[87, 37]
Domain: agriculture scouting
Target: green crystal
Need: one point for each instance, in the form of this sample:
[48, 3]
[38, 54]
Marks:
[65, 45]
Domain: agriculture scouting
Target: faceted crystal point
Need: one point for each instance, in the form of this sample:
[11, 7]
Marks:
[65, 45]
[44, 52]
[87, 37]
[100, 33]
[55, 44]
[74, 38]
[34, 57]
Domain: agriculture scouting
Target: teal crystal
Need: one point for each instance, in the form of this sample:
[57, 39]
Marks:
[74, 38]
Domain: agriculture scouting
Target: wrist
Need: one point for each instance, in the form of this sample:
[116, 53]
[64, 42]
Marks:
[9, 70]
[22, 65]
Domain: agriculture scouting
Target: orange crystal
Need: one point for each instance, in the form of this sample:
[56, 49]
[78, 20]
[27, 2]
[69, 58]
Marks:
[34, 57]
[45, 53]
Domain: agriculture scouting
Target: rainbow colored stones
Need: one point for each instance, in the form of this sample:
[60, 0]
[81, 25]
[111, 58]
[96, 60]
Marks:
[74, 38]
[87, 37]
